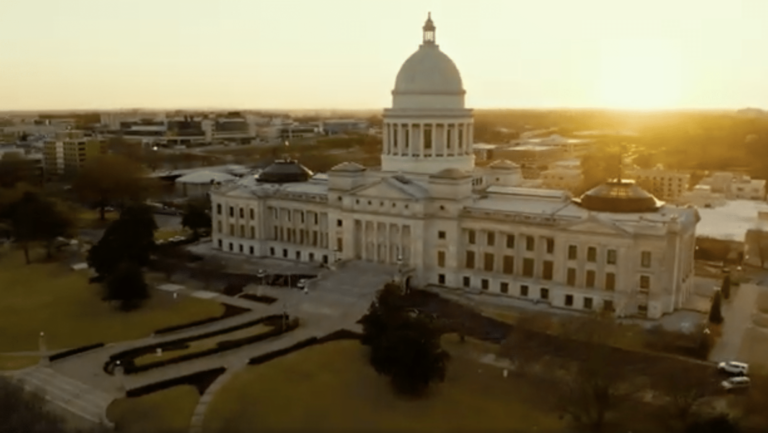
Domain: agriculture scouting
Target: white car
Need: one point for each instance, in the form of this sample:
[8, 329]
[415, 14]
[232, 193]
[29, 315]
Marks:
[735, 383]
[733, 368]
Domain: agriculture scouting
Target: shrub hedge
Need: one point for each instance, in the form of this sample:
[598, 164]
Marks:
[223, 346]
[259, 298]
[75, 351]
[126, 357]
[229, 311]
[200, 380]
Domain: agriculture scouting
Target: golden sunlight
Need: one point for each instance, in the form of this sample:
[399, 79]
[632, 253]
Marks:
[639, 74]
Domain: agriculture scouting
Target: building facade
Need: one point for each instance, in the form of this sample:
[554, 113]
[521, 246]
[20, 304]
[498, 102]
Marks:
[69, 151]
[665, 184]
[617, 248]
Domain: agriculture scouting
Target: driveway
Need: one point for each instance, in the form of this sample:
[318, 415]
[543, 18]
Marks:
[737, 312]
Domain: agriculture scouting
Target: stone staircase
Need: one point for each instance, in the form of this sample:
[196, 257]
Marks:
[69, 394]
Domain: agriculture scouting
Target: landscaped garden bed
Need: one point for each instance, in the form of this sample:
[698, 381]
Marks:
[263, 299]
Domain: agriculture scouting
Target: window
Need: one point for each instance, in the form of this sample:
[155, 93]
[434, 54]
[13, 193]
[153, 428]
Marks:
[592, 254]
[231, 229]
[544, 293]
[504, 287]
[590, 279]
[218, 208]
[466, 282]
[491, 239]
[568, 300]
[288, 215]
[241, 248]
[339, 245]
[271, 251]
[484, 284]
[219, 243]
[610, 281]
[547, 270]
[488, 262]
[524, 290]
[471, 237]
[572, 252]
[469, 263]
[571, 277]
[231, 211]
[645, 282]
[285, 253]
[642, 308]
[587, 303]
[509, 265]
[550, 245]
[311, 257]
[510, 241]
[218, 226]
[530, 243]
[645, 259]
[441, 279]
[253, 214]
[230, 247]
[298, 255]
[338, 223]
[611, 257]
[441, 259]
[302, 217]
[607, 305]
[441, 234]
[242, 231]
[528, 267]
[242, 213]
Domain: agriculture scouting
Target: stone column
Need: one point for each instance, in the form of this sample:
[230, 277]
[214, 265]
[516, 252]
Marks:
[467, 148]
[433, 137]
[422, 148]
[471, 137]
[445, 139]
[385, 147]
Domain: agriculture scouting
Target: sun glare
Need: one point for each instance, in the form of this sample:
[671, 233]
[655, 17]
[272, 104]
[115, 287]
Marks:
[639, 74]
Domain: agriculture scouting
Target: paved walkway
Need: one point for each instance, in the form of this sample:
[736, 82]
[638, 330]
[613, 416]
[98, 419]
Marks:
[737, 312]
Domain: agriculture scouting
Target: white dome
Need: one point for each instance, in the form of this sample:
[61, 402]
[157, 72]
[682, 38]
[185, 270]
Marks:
[429, 71]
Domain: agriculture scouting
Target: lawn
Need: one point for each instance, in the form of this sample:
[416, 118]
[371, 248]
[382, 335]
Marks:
[51, 298]
[165, 234]
[91, 218]
[200, 345]
[166, 411]
[12, 362]
[331, 387]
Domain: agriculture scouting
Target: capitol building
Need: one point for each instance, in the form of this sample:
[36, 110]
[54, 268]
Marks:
[452, 225]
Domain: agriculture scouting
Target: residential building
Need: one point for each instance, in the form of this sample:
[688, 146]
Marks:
[617, 248]
[664, 184]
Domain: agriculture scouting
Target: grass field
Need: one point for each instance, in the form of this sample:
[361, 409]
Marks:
[166, 411]
[332, 387]
[165, 234]
[51, 298]
[12, 362]
[200, 345]
[91, 218]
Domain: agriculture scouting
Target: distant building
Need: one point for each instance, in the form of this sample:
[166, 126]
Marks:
[564, 175]
[702, 196]
[70, 151]
[483, 151]
[340, 126]
[735, 186]
[199, 183]
[532, 155]
[665, 184]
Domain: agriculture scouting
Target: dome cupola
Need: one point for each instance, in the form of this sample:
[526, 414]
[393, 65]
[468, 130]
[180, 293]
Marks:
[619, 196]
[285, 171]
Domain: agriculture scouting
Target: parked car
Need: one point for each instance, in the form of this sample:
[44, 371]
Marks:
[733, 368]
[735, 383]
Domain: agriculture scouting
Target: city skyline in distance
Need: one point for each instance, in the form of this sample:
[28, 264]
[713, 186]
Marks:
[344, 55]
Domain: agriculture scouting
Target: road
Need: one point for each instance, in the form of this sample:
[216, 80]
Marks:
[737, 312]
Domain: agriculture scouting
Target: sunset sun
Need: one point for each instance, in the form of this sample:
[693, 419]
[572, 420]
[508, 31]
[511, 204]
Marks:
[639, 75]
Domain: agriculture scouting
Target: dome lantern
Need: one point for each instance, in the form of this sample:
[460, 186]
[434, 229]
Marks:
[429, 30]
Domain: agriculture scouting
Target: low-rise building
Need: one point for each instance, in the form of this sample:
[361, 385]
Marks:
[665, 184]
[70, 151]
[735, 186]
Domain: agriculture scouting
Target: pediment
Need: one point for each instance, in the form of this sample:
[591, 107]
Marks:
[597, 226]
[382, 190]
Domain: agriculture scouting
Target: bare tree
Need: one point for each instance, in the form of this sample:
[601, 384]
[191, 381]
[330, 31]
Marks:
[683, 387]
[595, 382]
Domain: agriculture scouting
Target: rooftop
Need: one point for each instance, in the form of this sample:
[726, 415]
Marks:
[731, 221]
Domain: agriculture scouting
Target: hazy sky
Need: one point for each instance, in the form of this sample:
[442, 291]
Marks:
[58, 54]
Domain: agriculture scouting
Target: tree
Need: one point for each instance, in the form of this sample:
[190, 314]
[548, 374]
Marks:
[26, 412]
[126, 285]
[404, 347]
[684, 387]
[37, 219]
[725, 288]
[130, 238]
[111, 179]
[721, 423]
[715, 313]
[14, 169]
[196, 217]
[596, 382]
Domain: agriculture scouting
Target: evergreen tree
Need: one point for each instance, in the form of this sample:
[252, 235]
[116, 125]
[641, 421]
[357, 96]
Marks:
[126, 285]
[196, 218]
[130, 238]
[715, 314]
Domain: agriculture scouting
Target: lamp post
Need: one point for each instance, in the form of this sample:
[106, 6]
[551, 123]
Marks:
[335, 258]
[43, 348]
[260, 274]
[401, 281]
